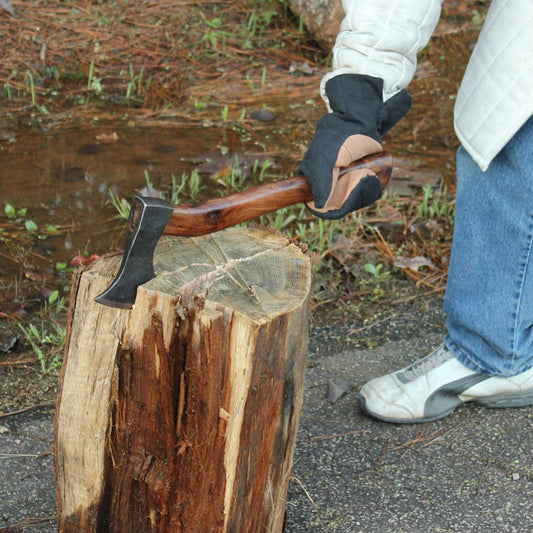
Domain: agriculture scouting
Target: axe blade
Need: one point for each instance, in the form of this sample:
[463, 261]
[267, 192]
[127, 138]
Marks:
[148, 218]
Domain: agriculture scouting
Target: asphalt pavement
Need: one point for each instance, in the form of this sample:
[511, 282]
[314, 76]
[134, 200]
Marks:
[470, 472]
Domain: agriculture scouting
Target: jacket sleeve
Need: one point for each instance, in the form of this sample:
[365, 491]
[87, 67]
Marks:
[381, 38]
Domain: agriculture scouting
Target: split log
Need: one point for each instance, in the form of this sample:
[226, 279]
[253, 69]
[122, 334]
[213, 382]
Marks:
[181, 414]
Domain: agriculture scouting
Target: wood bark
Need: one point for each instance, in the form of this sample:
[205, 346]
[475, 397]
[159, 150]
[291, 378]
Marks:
[181, 414]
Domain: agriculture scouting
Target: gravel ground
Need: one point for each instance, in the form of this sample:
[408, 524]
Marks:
[471, 472]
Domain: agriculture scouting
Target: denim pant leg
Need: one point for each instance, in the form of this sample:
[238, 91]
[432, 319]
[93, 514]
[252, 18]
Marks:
[489, 296]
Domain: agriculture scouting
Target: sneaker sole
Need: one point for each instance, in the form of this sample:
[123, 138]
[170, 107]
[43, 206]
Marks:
[362, 404]
[508, 400]
[494, 402]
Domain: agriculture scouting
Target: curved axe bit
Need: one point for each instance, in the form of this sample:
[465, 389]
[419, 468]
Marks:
[152, 217]
[147, 221]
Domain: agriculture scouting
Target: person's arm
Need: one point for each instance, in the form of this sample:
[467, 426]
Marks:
[374, 59]
[381, 38]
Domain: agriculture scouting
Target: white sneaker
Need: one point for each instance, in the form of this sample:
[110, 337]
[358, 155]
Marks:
[434, 386]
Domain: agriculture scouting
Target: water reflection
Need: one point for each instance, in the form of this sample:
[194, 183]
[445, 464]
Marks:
[64, 178]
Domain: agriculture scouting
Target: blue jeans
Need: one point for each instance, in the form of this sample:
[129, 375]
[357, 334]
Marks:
[489, 296]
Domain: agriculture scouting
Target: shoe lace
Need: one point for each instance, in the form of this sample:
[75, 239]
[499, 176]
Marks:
[439, 356]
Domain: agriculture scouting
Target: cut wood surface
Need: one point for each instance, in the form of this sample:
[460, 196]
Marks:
[181, 414]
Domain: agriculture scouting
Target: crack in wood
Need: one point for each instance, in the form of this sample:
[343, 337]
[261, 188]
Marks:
[201, 285]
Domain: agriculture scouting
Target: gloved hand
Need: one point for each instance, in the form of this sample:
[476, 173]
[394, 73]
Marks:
[351, 131]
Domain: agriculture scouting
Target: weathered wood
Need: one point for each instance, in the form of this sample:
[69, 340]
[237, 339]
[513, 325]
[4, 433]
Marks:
[181, 414]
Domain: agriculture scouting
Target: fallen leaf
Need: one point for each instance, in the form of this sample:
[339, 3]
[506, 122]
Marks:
[80, 260]
[222, 173]
[303, 67]
[336, 388]
[413, 263]
[107, 138]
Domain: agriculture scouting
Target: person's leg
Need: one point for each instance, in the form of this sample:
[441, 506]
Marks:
[489, 297]
[489, 300]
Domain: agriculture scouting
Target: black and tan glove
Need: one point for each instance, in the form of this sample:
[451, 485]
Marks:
[352, 130]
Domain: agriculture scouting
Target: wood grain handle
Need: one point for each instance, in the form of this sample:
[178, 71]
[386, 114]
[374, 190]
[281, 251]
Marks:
[192, 220]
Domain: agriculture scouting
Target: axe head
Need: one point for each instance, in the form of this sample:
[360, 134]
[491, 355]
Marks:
[148, 218]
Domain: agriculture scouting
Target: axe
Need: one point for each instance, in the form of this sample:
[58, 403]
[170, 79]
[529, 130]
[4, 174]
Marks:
[152, 217]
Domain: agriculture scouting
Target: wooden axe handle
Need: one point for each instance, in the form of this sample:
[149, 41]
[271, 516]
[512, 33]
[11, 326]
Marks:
[192, 220]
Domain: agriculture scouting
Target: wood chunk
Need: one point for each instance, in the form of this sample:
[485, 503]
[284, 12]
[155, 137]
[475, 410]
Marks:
[181, 414]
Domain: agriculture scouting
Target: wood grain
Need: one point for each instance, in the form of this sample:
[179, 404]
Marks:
[181, 414]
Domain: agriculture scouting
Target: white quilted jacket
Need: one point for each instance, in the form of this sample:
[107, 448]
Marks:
[381, 38]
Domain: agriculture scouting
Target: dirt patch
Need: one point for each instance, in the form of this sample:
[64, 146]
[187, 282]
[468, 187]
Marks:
[23, 385]
[180, 60]
[232, 65]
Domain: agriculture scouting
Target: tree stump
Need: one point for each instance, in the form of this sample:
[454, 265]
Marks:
[181, 414]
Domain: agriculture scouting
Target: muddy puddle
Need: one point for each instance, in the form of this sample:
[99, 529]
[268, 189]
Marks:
[64, 179]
